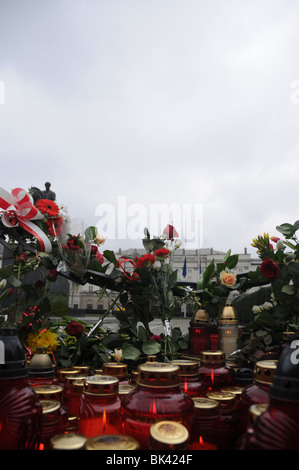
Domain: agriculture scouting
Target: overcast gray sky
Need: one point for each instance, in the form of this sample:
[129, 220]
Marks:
[185, 102]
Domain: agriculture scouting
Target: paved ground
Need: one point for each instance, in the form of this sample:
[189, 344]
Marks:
[156, 325]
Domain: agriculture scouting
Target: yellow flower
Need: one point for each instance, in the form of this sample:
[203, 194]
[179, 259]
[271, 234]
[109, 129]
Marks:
[42, 338]
[228, 279]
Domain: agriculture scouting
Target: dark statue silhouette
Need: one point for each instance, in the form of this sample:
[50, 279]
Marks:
[37, 194]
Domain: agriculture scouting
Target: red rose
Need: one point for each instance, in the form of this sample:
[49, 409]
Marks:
[22, 257]
[170, 232]
[147, 260]
[156, 338]
[270, 269]
[162, 253]
[75, 329]
[52, 275]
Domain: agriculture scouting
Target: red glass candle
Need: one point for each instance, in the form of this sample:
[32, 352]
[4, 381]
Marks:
[73, 388]
[100, 406]
[41, 369]
[52, 422]
[213, 371]
[168, 435]
[63, 373]
[157, 397]
[204, 431]
[199, 334]
[228, 429]
[20, 410]
[245, 440]
[189, 377]
[50, 393]
[214, 338]
[258, 391]
[278, 426]
[118, 370]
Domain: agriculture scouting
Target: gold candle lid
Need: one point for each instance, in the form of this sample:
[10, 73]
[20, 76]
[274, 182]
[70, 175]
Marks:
[84, 370]
[72, 424]
[62, 373]
[49, 392]
[169, 432]
[213, 357]
[41, 363]
[264, 371]
[112, 442]
[228, 315]
[200, 317]
[233, 389]
[151, 358]
[186, 367]
[68, 441]
[256, 410]
[158, 374]
[124, 389]
[205, 406]
[115, 369]
[50, 409]
[226, 400]
[70, 380]
[134, 376]
[101, 385]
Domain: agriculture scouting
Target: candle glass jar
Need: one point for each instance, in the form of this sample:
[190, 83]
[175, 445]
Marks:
[50, 393]
[100, 406]
[157, 397]
[168, 435]
[278, 426]
[204, 431]
[246, 438]
[214, 373]
[41, 369]
[228, 430]
[52, 422]
[73, 387]
[63, 373]
[199, 333]
[229, 330]
[20, 410]
[189, 377]
[118, 370]
[258, 391]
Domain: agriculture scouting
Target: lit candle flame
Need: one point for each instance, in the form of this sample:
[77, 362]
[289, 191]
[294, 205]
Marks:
[104, 420]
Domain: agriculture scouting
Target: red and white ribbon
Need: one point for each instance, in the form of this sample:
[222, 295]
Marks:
[19, 210]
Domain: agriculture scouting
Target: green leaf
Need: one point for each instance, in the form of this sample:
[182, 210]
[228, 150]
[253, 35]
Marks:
[232, 261]
[288, 289]
[208, 273]
[5, 273]
[91, 233]
[287, 230]
[110, 256]
[151, 347]
[129, 352]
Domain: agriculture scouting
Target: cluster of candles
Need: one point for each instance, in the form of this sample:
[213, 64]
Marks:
[201, 404]
[194, 402]
[203, 335]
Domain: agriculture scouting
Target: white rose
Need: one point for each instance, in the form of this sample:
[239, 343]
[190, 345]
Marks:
[280, 245]
[256, 309]
[3, 284]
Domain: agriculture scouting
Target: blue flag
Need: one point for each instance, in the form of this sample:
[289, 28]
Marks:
[185, 268]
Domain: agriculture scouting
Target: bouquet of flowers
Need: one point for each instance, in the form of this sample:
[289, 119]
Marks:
[148, 281]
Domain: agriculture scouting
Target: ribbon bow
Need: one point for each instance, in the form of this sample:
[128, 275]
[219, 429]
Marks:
[19, 210]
